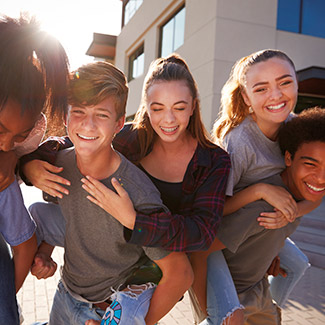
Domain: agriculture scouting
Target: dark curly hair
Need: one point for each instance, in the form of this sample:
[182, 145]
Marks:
[308, 126]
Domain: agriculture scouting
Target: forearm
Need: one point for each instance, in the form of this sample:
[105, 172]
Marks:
[23, 259]
[305, 207]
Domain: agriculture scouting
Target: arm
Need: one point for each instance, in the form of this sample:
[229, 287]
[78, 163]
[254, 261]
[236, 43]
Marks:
[195, 230]
[8, 161]
[177, 278]
[23, 258]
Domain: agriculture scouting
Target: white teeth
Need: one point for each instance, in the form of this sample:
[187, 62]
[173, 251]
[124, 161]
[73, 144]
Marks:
[316, 189]
[169, 129]
[86, 138]
[276, 106]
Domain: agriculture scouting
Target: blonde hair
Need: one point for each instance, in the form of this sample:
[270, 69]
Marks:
[171, 68]
[233, 109]
[94, 82]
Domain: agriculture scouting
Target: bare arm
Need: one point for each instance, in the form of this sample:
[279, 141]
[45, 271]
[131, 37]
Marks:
[23, 259]
[177, 278]
[276, 196]
[8, 161]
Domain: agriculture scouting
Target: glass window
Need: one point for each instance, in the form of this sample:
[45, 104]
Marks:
[302, 16]
[172, 34]
[130, 8]
[136, 63]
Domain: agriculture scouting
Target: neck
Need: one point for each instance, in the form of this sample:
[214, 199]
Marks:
[99, 166]
[270, 130]
[287, 180]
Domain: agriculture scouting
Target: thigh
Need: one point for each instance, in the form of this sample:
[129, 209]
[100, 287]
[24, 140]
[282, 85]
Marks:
[50, 223]
[8, 302]
[129, 306]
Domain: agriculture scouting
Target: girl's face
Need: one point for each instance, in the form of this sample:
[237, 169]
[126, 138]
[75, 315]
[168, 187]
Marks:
[14, 126]
[271, 90]
[169, 107]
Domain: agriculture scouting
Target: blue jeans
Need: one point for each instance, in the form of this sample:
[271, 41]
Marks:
[125, 309]
[295, 263]
[8, 302]
[222, 299]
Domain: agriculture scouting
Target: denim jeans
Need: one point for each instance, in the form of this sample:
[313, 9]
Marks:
[8, 302]
[295, 263]
[222, 299]
[125, 309]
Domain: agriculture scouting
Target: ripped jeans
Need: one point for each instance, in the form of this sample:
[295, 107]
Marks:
[127, 308]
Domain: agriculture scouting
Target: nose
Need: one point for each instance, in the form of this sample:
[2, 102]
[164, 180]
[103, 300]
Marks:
[6, 142]
[169, 116]
[88, 122]
[276, 93]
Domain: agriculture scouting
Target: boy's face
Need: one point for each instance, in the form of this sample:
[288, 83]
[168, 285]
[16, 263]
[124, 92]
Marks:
[92, 128]
[305, 173]
[14, 126]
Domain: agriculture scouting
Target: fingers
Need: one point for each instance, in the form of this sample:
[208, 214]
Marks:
[272, 220]
[283, 272]
[118, 187]
[43, 268]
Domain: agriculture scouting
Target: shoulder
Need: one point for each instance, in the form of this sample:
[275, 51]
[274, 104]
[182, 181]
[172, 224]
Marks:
[211, 156]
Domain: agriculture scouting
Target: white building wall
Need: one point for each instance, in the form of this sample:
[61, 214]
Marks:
[217, 33]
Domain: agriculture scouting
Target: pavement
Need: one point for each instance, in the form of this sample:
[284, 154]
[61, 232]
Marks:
[305, 306]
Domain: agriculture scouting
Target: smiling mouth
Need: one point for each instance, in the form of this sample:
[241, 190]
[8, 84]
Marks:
[275, 107]
[169, 130]
[316, 189]
[85, 137]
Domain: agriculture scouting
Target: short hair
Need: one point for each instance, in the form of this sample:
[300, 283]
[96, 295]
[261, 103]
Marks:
[308, 126]
[94, 82]
[34, 68]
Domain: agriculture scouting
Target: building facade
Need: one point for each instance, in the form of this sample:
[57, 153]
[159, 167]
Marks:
[212, 34]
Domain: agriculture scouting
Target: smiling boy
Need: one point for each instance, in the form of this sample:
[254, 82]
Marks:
[251, 248]
[101, 270]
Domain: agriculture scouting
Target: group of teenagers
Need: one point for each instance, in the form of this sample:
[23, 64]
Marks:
[148, 210]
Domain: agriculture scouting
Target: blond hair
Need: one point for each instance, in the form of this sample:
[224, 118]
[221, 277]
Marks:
[94, 82]
[233, 109]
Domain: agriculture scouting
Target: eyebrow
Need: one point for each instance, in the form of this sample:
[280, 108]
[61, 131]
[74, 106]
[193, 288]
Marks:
[277, 79]
[179, 102]
[309, 158]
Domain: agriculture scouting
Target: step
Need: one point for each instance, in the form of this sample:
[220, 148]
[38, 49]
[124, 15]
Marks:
[315, 254]
[309, 235]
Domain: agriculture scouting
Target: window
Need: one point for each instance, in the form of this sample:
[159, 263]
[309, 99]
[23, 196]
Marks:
[136, 63]
[129, 9]
[172, 33]
[302, 16]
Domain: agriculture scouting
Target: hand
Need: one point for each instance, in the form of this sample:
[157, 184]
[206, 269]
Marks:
[8, 161]
[272, 220]
[119, 204]
[275, 268]
[42, 175]
[281, 200]
[43, 266]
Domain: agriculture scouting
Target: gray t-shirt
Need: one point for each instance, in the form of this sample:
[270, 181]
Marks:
[97, 257]
[254, 157]
[250, 247]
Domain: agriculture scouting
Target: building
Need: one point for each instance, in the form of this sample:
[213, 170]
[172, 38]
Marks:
[211, 35]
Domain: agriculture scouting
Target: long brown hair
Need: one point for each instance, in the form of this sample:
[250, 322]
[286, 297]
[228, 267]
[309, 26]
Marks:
[233, 108]
[171, 68]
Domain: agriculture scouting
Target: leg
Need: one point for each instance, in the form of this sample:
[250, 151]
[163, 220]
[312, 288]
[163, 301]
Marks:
[222, 301]
[50, 223]
[295, 263]
[8, 302]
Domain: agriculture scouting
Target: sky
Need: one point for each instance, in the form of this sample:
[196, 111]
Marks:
[72, 22]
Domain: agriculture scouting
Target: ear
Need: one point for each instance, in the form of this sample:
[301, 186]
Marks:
[194, 106]
[245, 97]
[287, 158]
[120, 124]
